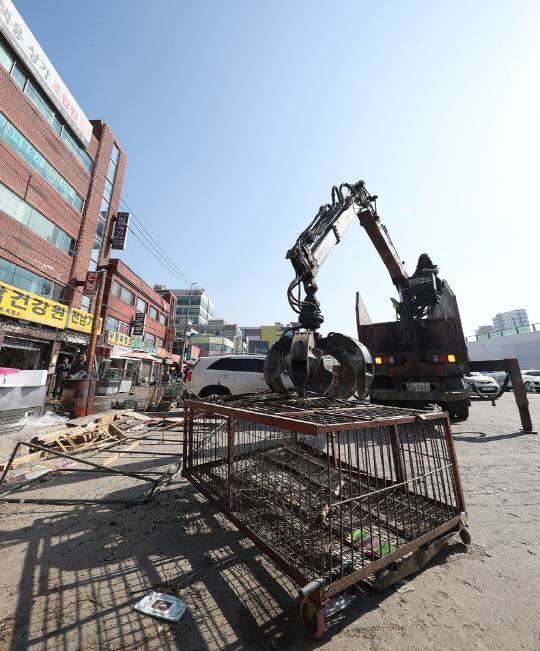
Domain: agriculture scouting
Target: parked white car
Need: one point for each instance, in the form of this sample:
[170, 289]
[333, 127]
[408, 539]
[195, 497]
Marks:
[529, 378]
[229, 375]
[486, 385]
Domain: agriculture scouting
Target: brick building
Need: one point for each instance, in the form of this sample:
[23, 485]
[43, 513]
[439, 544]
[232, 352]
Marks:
[127, 354]
[60, 184]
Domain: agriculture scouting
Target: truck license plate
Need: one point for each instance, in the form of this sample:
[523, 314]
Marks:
[418, 386]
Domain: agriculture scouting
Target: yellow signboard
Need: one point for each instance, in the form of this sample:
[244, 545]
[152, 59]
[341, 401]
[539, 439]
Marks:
[118, 338]
[19, 304]
[81, 321]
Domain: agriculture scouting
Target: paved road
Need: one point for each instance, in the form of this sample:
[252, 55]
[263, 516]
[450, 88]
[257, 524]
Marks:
[70, 575]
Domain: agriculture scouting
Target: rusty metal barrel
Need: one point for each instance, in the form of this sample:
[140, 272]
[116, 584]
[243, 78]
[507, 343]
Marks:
[78, 396]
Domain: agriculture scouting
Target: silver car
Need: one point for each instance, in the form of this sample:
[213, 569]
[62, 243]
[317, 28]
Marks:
[484, 384]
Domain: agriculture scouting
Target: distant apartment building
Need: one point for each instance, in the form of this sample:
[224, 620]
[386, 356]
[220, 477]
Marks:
[485, 330]
[513, 319]
[516, 319]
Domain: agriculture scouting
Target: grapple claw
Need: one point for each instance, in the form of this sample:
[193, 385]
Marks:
[302, 358]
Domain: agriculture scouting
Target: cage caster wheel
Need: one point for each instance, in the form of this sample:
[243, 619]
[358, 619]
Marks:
[465, 535]
[312, 617]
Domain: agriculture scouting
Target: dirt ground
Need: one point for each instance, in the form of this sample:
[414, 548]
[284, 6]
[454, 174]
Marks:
[70, 575]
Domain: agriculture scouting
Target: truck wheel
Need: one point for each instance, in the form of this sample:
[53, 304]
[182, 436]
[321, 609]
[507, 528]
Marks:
[461, 410]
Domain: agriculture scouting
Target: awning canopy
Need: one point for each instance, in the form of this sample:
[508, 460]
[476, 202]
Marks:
[138, 355]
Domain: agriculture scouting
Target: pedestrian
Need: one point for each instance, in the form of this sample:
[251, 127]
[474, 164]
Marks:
[62, 371]
[78, 365]
[165, 378]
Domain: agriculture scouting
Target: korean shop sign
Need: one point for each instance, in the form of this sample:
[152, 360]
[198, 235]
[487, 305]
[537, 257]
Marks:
[91, 283]
[140, 322]
[81, 321]
[23, 42]
[19, 304]
[121, 226]
[139, 344]
[118, 338]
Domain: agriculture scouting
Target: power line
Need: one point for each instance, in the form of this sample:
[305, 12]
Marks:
[186, 280]
[178, 273]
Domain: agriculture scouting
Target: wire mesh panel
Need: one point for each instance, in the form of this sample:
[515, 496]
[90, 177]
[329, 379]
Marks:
[328, 489]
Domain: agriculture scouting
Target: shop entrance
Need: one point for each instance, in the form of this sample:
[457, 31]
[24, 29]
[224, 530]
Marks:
[24, 354]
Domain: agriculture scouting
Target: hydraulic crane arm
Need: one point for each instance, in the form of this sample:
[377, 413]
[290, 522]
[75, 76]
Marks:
[302, 356]
[325, 231]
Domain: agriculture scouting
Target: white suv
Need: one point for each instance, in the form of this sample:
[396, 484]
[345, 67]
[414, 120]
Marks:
[227, 375]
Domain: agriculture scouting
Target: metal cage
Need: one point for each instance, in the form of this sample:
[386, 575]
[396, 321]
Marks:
[332, 491]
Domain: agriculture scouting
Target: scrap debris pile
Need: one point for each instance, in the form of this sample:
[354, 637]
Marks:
[126, 449]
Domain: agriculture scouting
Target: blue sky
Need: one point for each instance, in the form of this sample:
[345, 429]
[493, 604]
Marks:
[238, 117]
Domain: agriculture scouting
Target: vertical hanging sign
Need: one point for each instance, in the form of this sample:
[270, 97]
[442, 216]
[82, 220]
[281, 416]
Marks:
[91, 283]
[120, 231]
[140, 321]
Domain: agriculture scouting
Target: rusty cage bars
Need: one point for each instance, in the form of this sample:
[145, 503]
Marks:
[331, 491]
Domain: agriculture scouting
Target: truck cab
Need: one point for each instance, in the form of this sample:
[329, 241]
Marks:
[431, 371]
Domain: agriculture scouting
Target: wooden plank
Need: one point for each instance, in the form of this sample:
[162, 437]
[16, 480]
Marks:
[117, 456]
[116, 431]
[19, 461]
[175, 424]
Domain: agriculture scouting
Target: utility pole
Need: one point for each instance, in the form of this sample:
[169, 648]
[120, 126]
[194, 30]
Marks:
[183, 348]
[95, 323]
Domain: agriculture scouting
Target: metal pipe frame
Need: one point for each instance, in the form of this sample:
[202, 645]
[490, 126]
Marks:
[96, 467]
[292, 484]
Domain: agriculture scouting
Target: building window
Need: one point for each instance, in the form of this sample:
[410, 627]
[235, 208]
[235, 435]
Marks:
[86, 303]
[12, 274]
[36, 96]
[159, 342]
[163, 319]
[153, 313]
[6, 59]
[26, 151]
[123, 294]
[123, 327]
[24, 213]
[142, 306]
[18, 75]
[150, 339]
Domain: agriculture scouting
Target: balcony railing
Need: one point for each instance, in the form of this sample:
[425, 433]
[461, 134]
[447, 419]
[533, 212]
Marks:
[533, 327]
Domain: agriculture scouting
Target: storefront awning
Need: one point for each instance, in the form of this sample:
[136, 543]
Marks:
[138, 355]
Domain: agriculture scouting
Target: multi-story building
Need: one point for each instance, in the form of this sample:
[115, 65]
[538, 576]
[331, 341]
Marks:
[201, 308]
[506, 323]
[60, 182]
[485, 330]
[251, 333]
[260, 340]
[513, 319]
[128, 299]
[220, 328]
[211, 345]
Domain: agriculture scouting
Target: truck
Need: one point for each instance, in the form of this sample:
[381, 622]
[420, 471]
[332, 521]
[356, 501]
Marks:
[416, 360]
[429, 372]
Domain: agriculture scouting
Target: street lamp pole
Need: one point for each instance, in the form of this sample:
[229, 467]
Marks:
[183, 348]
